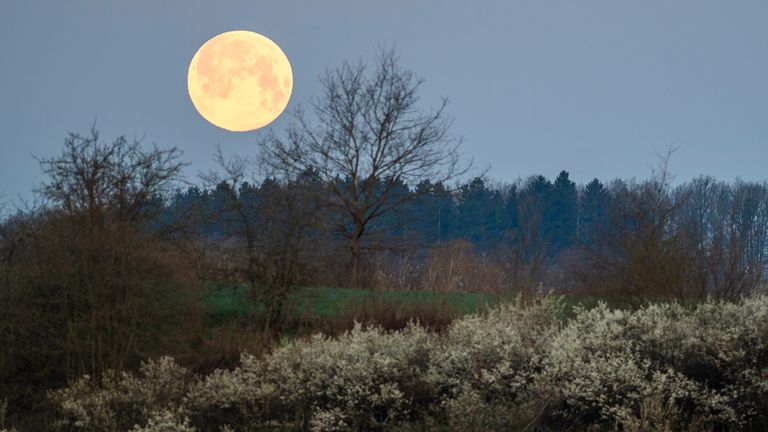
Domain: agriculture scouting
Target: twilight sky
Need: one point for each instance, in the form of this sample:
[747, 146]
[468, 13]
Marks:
[536, 86]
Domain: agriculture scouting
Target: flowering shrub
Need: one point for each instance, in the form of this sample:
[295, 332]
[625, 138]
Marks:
[663, 367]
[496, 353]
[165, 421]
[122, 401]
[356, 380]
[360, 380]
[709, 362]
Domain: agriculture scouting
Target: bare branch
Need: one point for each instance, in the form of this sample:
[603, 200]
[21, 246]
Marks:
[366, 137]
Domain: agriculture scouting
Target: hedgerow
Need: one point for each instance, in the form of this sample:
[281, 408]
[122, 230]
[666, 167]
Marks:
[518, 366]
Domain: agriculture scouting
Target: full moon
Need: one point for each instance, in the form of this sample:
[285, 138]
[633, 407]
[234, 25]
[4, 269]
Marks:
[240, 81]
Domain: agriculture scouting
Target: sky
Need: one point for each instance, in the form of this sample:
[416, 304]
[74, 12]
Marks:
[597, 88]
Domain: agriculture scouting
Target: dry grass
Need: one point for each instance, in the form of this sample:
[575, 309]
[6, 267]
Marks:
[393, 314]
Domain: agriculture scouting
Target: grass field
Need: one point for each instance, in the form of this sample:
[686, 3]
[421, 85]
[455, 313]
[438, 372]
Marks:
[233, 301]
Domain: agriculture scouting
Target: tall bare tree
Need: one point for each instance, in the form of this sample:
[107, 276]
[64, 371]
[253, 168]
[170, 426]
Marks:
[270, 226]
[367, 135]
[89, 281]
[99, 241]
[639, 253]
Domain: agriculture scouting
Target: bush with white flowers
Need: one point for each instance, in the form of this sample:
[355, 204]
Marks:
[122, 401]
[497, 353]
[663, 367]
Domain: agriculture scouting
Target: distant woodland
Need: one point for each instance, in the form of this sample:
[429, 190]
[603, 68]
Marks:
[626, 237]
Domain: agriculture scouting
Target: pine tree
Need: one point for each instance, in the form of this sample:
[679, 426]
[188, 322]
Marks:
[593, 211]
[563, 215]
[479, 212]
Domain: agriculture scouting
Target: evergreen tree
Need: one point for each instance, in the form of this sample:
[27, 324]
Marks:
[593, 211]
[536, 205]
[511, 216]
[563, 214]
[425, 212]
[531, 241]
[479, 212]
[396, 224]
[446, 209]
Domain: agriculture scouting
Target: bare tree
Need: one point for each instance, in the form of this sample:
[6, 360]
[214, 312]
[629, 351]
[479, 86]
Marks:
[98, 243]
[526, 261]
[13, 230]
[639, 254]
[270, 225]
[116, 181]
[88, 281]
[701, 222]
[367, 136]
[736, 249]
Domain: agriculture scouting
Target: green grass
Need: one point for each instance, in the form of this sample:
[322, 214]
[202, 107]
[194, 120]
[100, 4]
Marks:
[233, 301]
[226, 302]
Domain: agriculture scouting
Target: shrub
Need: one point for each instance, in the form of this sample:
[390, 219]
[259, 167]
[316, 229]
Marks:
[606, 366]
[357, 379]
[495, 353]
[516, 367]
[125, 400]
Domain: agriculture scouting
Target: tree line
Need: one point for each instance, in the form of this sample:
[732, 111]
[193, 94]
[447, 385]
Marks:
[697, 238]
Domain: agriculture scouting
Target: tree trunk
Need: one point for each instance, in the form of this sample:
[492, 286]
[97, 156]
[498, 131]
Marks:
[355, 258]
